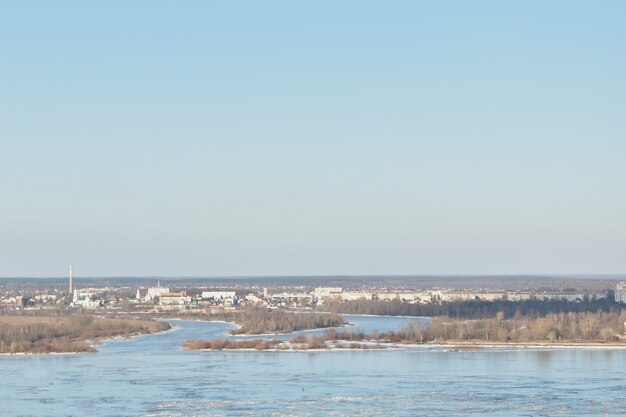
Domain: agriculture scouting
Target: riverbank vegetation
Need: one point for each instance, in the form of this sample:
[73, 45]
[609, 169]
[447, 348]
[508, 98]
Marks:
[470, 309]
[28, 334]
[585, 328]
[330, 340]
[257, 344]
[598, 327]
[263, 321]
[257, 320]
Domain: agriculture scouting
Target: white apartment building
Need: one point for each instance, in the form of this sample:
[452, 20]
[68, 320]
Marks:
[156, 292]
[328, 292]
[224, 297]
[356, 295]
[620, 293]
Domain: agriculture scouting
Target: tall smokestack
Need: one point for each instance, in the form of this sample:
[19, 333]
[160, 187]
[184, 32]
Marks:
[70, 279]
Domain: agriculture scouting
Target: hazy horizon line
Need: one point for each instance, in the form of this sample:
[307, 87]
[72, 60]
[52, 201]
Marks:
[304, 276]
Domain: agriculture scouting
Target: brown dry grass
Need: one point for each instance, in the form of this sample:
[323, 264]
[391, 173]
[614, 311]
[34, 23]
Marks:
[295, 343]
[25, 320]
[26, 334]
[258, 344]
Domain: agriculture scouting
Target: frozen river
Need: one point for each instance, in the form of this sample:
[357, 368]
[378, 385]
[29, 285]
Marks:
[152, 376]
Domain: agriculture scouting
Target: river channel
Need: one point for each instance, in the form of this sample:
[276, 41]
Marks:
[152, 376]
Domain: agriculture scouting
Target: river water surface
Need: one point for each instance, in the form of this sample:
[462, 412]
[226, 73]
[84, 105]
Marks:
[152, 376]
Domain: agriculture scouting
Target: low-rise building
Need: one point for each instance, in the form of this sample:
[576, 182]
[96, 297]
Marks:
[16, 301]
[174, 299]
[253, 298]
[45, 298]
[87, 298]
[285, 299]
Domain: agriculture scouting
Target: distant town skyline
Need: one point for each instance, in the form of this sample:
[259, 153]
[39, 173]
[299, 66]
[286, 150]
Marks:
[336, 138]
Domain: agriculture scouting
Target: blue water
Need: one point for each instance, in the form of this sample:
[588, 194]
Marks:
[152, 376]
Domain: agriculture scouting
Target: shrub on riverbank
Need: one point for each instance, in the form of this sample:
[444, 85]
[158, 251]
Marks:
[258, 344]
[260, 321]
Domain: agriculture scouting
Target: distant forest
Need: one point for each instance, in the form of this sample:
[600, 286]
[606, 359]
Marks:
[471, 309]
[509, 283]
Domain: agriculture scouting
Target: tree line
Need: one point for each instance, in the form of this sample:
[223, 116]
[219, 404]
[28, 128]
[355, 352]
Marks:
[601, 326]
[470, 309]
[259, 321]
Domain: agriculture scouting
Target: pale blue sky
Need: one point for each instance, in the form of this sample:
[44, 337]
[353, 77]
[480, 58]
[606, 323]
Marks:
[326, 137]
